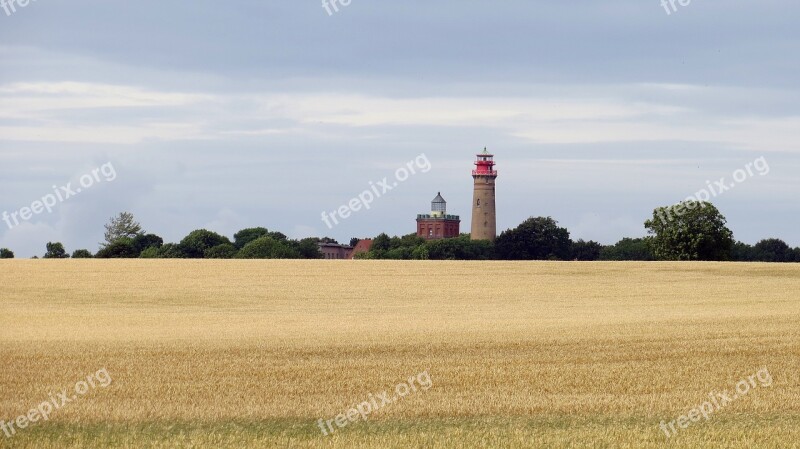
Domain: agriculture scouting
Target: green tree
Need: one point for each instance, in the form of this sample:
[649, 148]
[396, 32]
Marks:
[223, 251]
[307, 248]
[245, 236]
[458, 248]
[55, 251]
[81, 254]
[267, 248]
[421, 253]
[6, 253]
[534, 239]
[742, 252]
[773, 250]
[628, 249]
[354, 241]
[585, 251]
[167, 251]
[121, 226]
[194, 245]
[690, 230]
[399, 253]
[122, 248]
[143, 241]
[382, 242]
[397, 248]
[151, 253]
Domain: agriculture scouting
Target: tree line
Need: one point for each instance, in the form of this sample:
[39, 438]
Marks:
[686, 231]
[125, 239]
[683, 232]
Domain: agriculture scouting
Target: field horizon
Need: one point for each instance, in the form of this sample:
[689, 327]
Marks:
[519, 354]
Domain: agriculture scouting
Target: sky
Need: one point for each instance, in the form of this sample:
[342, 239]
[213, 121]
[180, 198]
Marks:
[227, 115]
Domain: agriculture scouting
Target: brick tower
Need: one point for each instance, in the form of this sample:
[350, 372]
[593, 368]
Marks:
[437, 224]
[484, 216]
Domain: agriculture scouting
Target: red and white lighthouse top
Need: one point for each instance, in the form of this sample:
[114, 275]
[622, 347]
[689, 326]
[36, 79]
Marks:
[484, 166]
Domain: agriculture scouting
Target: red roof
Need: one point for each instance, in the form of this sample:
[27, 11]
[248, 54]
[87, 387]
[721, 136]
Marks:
[362, 247]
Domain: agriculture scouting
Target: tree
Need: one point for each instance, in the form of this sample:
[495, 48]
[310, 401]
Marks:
[81, 254]
[166, 251]
[150, 253]
[458, 248]
[194, 245]
[354, 241]
[122, 226]
[223, 251]
[534, 239]
[55, 251]
[420, 253]
[742, 252]
[628, 249]
[143, 241]
[267, 248]
[6, 253]
[307, 248]
[381, 243]
[696, 232]
[773, 250]
[585, 251]
[122, 248]
[245, 236]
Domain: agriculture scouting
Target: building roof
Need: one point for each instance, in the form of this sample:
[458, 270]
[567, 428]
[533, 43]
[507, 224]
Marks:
[439, 198]
[362, 246]
[333, 245]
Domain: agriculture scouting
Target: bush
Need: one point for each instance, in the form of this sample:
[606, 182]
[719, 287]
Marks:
[224, 251]
[81, 254]
[194, 245]
[267, 248]
[151, 253]
[170, 251]
[628, 249]
[307, 248]
[6, 253]
[142, 242]
[458, 248]
[121, 249]
[585, 251]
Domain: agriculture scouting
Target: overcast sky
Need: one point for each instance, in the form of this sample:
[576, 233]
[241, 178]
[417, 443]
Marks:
[225, 115]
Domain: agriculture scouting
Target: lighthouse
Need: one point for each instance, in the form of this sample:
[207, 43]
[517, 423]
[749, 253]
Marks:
[484, 216]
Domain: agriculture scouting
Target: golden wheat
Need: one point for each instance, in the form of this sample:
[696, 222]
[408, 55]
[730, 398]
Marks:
[251, 354]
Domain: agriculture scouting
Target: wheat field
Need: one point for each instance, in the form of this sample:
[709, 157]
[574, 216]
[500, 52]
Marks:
[252, 354]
